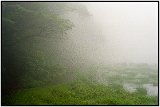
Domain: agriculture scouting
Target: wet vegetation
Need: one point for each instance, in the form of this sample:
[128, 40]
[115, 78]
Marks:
[43, 61]
[83, 89]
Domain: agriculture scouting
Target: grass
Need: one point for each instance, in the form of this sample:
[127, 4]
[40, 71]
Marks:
[79, 93]
[82, 90]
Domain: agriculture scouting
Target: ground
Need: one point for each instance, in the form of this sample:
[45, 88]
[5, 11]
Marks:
[96, 86]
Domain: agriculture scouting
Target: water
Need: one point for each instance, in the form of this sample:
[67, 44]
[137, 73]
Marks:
[130, 87]
[151, 90]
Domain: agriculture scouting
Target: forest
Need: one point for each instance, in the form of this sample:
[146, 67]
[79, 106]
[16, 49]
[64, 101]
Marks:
[53, 54]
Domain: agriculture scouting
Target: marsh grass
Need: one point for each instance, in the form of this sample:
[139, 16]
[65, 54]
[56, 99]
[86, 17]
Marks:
[80, 93]
[84, 89]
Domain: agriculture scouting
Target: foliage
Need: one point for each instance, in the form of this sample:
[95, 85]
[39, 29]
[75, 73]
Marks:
[32, 74]
[26, 29]
[79, 93]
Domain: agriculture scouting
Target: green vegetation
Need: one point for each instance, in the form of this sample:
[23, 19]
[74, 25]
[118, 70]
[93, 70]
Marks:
[82, 90]
[34, 71]
[79, 93]
[28, 29]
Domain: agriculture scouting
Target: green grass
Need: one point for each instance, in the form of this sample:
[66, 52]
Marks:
[82, 88]
[79, 93]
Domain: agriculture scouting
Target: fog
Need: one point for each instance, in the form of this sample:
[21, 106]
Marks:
[86, 53]
[127, 32]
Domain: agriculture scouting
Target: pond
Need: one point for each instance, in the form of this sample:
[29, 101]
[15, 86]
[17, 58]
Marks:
[151, 90]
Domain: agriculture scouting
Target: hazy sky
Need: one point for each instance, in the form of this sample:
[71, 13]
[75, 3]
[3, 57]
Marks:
[130, 30]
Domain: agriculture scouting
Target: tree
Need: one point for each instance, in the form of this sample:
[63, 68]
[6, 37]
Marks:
[26, 27]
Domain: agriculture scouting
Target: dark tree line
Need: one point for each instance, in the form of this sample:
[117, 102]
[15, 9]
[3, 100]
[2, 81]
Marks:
[27, 28]
[32, 34]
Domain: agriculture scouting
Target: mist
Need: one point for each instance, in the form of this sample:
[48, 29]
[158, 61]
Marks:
[86, 53]
[128, 30]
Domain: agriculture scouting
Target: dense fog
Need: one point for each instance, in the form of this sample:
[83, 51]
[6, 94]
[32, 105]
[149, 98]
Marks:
[86, 53]
[111, 33]
[129, 32]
